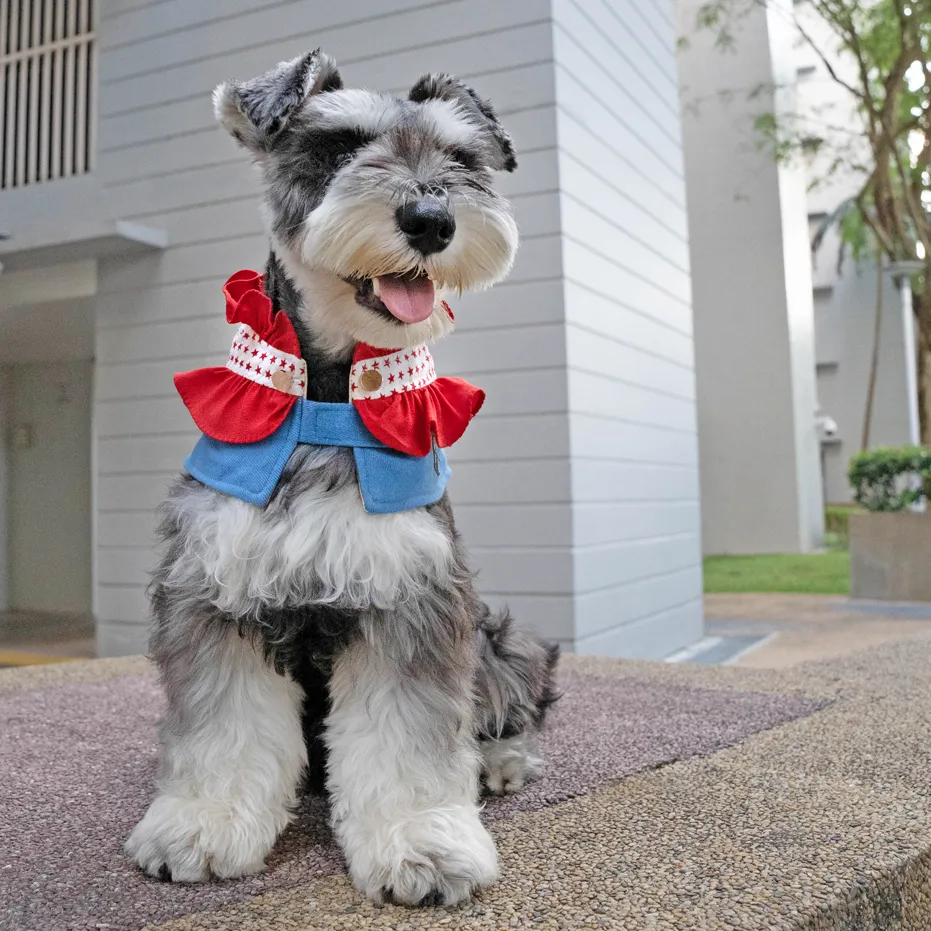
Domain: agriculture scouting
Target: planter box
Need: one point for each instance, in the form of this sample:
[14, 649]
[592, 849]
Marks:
[890, 556]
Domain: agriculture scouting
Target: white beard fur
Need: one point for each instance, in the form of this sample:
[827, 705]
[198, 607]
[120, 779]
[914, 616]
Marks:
[326, 550]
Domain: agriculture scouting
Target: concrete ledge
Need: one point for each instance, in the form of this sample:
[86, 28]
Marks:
[821, 824]
[94, 240]
[890, 556]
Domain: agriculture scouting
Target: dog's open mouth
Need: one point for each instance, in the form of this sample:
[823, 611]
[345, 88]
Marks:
[408, 298]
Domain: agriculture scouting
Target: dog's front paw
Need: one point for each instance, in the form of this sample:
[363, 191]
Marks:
[189, 840]
[510, 763]
[438, 858]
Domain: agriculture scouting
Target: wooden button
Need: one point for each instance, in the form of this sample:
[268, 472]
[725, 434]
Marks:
[370, 380]
[281, 380]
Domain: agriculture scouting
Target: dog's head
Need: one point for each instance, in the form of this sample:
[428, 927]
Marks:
[376, 204]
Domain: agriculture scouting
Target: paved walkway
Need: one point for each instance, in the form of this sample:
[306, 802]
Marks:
[774, 631]
[29, 638]
[821, 823]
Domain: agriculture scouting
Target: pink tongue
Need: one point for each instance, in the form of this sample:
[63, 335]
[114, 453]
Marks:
[409, 301]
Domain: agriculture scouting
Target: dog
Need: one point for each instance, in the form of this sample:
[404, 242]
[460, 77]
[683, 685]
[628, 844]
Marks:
[306, 642]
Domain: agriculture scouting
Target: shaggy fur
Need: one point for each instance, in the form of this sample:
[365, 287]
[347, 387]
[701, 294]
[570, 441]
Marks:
[308, 639]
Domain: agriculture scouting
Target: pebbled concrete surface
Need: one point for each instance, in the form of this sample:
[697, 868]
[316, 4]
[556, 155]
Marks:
[821, 824]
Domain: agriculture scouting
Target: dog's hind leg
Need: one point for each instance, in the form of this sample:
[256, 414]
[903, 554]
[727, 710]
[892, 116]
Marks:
[514, 689]
[403, 762]
[232, 756]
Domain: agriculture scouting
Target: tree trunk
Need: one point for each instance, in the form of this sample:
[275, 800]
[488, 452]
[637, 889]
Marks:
[921, 302]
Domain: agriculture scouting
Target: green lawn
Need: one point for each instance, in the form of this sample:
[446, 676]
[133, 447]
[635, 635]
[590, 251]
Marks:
[815, 574]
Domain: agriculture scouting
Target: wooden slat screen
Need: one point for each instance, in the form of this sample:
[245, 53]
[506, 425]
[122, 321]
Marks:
[47, 90]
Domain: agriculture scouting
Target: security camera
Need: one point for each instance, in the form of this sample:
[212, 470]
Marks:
[827, 427]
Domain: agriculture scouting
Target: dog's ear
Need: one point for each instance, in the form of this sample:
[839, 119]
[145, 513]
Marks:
[256, 112]
[501, 154]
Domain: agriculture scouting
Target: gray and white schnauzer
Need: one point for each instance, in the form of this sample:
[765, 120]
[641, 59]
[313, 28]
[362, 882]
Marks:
[308, 641]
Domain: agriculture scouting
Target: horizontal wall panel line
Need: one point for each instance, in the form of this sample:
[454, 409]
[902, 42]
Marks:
[585, 285]
[128, 43]
[511, 505]
[214, 127]
[645, 463]
[644, 278]
[666, 19]
[646, 111]
[669, 103]
[104, 16]
[179, 281]
[675, 202]
[583, 548]
[485, 417]
[172, 395]
[188, 357]
[647, 79]
[629, 130]
[346, 63]
[650, 577]
[490, 464]
[191, 432]
[209, 315]
[635, 423]
[662, 40]
[631, 502]
[585, 205]
[686, 399]
[639, 620]
[668, 68]
[205, 92]
[620, 342]
[256, 197]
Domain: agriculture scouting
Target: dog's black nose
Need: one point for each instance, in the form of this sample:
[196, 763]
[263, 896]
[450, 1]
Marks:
[427, 223]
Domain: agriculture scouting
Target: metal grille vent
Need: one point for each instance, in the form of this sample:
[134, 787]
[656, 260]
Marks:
[47, 80]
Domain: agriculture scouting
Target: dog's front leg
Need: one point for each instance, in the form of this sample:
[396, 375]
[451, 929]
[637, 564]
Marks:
[403, 768]
[232, 755]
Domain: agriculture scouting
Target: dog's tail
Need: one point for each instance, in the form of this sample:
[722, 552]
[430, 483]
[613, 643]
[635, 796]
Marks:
[515, 685]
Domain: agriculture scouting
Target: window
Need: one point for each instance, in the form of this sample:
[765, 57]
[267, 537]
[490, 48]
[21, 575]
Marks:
[47, 79]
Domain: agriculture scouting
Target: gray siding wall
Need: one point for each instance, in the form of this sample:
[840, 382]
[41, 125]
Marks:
[632, 422]
[577, 486]
[162, 160]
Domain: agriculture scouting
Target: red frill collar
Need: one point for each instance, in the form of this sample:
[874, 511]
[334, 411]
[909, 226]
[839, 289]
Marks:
[396, 392]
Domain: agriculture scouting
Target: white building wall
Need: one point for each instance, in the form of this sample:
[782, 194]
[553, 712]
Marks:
[845, 312]
[49, 481]
[5, 424]
[629, 340]
[164, 161]
[576, 488]
[754, 328]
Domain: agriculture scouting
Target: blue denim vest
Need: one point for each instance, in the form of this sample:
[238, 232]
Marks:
[390, 481]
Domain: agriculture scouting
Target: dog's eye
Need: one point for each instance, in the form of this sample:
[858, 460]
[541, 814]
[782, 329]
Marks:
[465, 158]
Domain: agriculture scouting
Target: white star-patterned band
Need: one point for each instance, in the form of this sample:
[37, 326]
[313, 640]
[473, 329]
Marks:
[394, 373]
[253, 358]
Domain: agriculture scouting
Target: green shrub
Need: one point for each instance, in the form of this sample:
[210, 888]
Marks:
[837, 524]
[884, 479]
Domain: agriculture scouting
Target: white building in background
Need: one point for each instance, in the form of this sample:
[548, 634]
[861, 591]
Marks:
[782, 340]
[845, 298]
[752, 287]
[126, 207]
